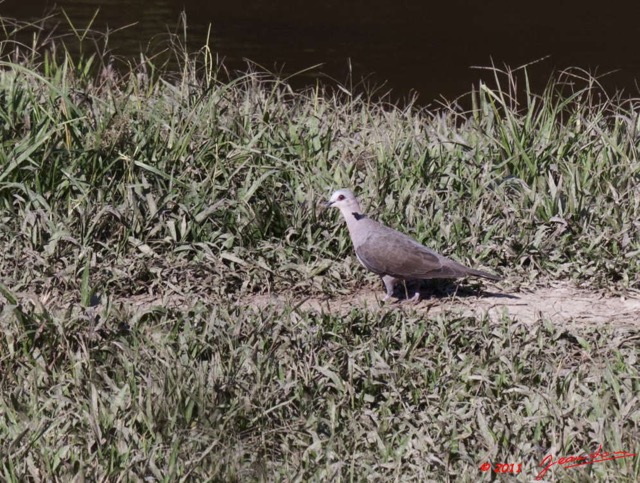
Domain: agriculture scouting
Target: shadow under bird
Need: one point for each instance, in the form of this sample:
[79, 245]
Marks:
[391, 254]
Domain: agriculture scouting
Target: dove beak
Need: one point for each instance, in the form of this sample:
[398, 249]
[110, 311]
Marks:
[323, 205]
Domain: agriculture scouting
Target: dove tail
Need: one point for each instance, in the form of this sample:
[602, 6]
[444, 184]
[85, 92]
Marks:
[480, 273]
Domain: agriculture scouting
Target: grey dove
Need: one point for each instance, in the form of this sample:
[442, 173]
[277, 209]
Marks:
[391, 254]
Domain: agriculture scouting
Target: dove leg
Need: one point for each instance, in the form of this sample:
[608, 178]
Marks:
[416, 297]
[389, 284]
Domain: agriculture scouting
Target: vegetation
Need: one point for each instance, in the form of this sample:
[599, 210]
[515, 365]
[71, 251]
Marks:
[143, 209]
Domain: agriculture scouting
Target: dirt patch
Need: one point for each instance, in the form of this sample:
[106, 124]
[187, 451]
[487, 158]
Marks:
[562, 302]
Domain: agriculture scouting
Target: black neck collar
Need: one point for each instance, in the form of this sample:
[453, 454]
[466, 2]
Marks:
[358, 216]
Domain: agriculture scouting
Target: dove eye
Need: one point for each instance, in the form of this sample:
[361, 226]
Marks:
[341, 197]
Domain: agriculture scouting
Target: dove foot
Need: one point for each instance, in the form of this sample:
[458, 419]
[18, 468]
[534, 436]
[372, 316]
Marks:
[389, 285]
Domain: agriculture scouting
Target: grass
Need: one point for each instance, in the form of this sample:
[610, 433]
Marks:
[141, 210]
[236, 393]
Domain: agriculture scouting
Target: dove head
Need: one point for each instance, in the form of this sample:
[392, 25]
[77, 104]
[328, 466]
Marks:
[346, 202]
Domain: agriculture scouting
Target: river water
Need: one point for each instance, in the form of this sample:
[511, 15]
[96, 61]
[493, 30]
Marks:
[425, 47]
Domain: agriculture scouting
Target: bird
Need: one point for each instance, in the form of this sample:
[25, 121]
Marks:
[391, 254]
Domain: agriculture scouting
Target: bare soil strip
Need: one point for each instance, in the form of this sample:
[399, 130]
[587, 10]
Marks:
[562, 303]
[559, 303]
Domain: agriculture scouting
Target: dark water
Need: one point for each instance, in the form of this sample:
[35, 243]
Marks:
[420, 46]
